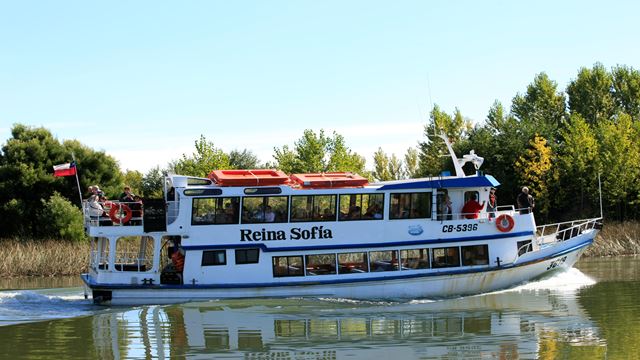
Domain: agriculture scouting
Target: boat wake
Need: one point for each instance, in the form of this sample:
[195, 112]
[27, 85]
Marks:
[20, 306]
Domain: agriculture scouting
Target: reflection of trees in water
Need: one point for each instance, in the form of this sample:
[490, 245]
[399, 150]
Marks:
[616, 314]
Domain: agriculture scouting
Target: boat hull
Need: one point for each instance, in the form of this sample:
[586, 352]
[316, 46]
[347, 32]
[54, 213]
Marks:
[411, 286]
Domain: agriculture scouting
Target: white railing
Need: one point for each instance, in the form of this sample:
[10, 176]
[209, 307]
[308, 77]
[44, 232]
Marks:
[562, 231]
[101, 214]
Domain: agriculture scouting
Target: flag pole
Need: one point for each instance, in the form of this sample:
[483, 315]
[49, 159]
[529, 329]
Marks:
[77, 180]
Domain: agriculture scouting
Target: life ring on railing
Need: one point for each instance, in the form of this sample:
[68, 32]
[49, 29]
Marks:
[120, 213]
[505, 223]
[178, 260]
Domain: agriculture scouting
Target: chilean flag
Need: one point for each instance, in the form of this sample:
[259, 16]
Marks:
[68, 169]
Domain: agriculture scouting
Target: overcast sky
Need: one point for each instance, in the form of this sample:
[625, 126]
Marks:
[143, 79]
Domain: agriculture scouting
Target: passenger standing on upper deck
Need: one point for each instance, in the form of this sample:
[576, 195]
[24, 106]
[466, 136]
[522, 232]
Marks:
[471, 209]
[492, 205]
[526, 202]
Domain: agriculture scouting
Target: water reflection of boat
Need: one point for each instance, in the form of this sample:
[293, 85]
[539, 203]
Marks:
[510, 324]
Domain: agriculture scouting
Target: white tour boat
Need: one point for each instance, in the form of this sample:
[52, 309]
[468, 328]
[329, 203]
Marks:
[261, 233]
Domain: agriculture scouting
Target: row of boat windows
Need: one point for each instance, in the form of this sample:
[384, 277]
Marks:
[306, 208]
[359, 262]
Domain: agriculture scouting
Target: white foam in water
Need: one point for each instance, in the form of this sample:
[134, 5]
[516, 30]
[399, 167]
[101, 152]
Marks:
[565, 281]
[28, 305]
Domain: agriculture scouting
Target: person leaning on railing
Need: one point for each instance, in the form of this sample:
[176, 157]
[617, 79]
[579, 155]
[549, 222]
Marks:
[526, 202]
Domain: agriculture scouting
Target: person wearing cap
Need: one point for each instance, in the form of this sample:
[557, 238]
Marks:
[492, 205]
[526, 202]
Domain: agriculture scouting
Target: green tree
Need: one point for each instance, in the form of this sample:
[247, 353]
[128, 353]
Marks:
[133, 179]
[433, 151]
[202, 161]
[153, 183]
[541, 107]
[578, 166]
[60, 219]
[318, 153]
[387, 168]
[626, 90]
[244, 159]
[26, 176]
[590, 94]
[411, 163]
[619, 139]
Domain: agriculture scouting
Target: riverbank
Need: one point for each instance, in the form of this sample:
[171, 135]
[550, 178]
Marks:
[616, 239]
[64, 258]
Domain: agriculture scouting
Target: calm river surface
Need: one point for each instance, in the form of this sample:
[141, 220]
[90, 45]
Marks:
[592, 312]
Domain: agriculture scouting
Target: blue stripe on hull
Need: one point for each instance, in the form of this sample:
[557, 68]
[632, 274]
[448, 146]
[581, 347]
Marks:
[264, 248]
[577, 247]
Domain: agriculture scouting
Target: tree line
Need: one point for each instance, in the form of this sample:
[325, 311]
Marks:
[554, 141]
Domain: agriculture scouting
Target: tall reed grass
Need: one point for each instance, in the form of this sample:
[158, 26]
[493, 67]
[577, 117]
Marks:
[616, 239]
[43, 258]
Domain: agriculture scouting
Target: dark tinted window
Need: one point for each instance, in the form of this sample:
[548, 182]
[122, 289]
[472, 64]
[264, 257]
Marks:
[215, 257]
[247, 256]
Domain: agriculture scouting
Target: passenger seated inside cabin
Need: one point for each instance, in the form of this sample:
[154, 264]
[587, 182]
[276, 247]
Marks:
[269, 215]
[373, 212]
[472, 208]
[354, 212]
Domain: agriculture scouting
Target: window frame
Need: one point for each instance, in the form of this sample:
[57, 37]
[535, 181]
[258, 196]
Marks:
[437, 265]
[464, 261]
[428, 211]
[224, 252]
[265, 202]
[362, 210]
[257, 259]
[312, 217]
[288, 274]
[216, 211]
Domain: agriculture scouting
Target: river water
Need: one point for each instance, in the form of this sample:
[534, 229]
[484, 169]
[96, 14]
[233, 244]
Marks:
[589, 312]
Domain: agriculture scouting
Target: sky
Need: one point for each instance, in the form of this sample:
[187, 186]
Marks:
[142, 80]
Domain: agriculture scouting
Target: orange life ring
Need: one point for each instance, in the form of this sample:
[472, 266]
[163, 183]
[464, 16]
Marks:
[178, 260]
[505, 223]
[116, 212]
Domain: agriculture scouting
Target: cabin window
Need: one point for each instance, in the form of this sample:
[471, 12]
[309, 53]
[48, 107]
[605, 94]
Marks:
[247, 256]
[264, 209]
[445, 257]
[475, 255]
[470, 194]
[313, 208]
[202, 192]
[215, 257]
[210, 211]
[524, 247]
[287, 266]
[383, 260]
[361, 207]
[321, 264]
[352, 263]
[415, 259]
[410, 206]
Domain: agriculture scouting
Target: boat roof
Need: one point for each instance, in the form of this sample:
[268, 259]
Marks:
[448, 182]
